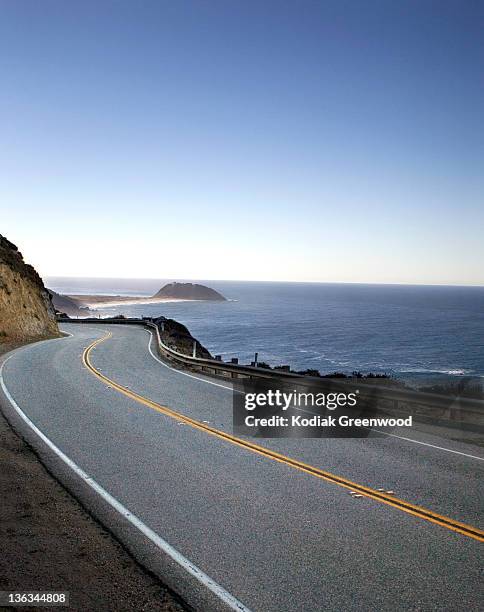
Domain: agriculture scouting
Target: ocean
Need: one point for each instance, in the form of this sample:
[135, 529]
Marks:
[402, 330]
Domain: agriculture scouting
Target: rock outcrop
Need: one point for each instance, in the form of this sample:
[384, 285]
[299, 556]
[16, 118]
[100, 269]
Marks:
[189, 291]
[26, 311]
[66, 305]
[177, 337]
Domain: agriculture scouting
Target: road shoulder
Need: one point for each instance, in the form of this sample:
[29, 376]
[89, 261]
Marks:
[49, 542]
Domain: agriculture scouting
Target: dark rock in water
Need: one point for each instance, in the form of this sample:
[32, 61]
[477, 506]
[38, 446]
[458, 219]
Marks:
[177, 337]
[189, 291]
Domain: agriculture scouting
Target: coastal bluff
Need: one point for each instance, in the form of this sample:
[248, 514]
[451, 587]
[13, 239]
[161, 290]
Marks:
[26, 310]
[189, 291]
[178, 337]
[66, 305]
[169, 292]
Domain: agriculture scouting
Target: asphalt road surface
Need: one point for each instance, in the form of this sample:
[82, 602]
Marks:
[271, 535]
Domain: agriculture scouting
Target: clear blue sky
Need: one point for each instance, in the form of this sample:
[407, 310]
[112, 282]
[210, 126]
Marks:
[324, 141]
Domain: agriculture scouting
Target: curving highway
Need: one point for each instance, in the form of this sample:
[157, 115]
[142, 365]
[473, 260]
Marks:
[230, 524]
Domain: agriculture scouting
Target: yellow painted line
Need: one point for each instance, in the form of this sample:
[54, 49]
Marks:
[390, 500]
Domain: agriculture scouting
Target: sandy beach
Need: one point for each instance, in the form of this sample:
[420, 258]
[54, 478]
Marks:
[103, 301]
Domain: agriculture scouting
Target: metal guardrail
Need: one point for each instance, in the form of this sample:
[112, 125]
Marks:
[463, 410]
[213, 366]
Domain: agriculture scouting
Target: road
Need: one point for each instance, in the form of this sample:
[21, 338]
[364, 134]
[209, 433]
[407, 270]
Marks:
[263, 531]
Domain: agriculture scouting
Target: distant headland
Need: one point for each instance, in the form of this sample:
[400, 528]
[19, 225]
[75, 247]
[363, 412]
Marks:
[189, 291]
[170, 292]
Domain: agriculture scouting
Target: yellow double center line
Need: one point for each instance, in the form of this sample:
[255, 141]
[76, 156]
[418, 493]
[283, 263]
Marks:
[384, 498]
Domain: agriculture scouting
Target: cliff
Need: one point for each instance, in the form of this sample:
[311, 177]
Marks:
[177, 337]
[189, 291]
[68, 305]
[26, 311]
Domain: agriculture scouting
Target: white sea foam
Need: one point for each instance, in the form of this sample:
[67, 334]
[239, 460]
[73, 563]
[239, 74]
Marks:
[135, 302]
[322, 326]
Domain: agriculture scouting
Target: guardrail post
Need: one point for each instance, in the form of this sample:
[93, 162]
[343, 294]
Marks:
[194, 354]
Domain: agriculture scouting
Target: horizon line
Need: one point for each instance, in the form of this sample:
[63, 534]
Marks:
[228, 280]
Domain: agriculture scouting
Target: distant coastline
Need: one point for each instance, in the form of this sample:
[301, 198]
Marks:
[101, 301]
[416, 333]
[81, 304]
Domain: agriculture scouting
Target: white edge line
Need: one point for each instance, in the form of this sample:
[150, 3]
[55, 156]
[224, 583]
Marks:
[448, 450]
[159, 542]
[209, 382]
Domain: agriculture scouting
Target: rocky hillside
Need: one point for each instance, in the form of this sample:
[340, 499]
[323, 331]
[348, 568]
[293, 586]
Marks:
[66, 305]
[189, 291]
[176, 336]
[26, 311]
